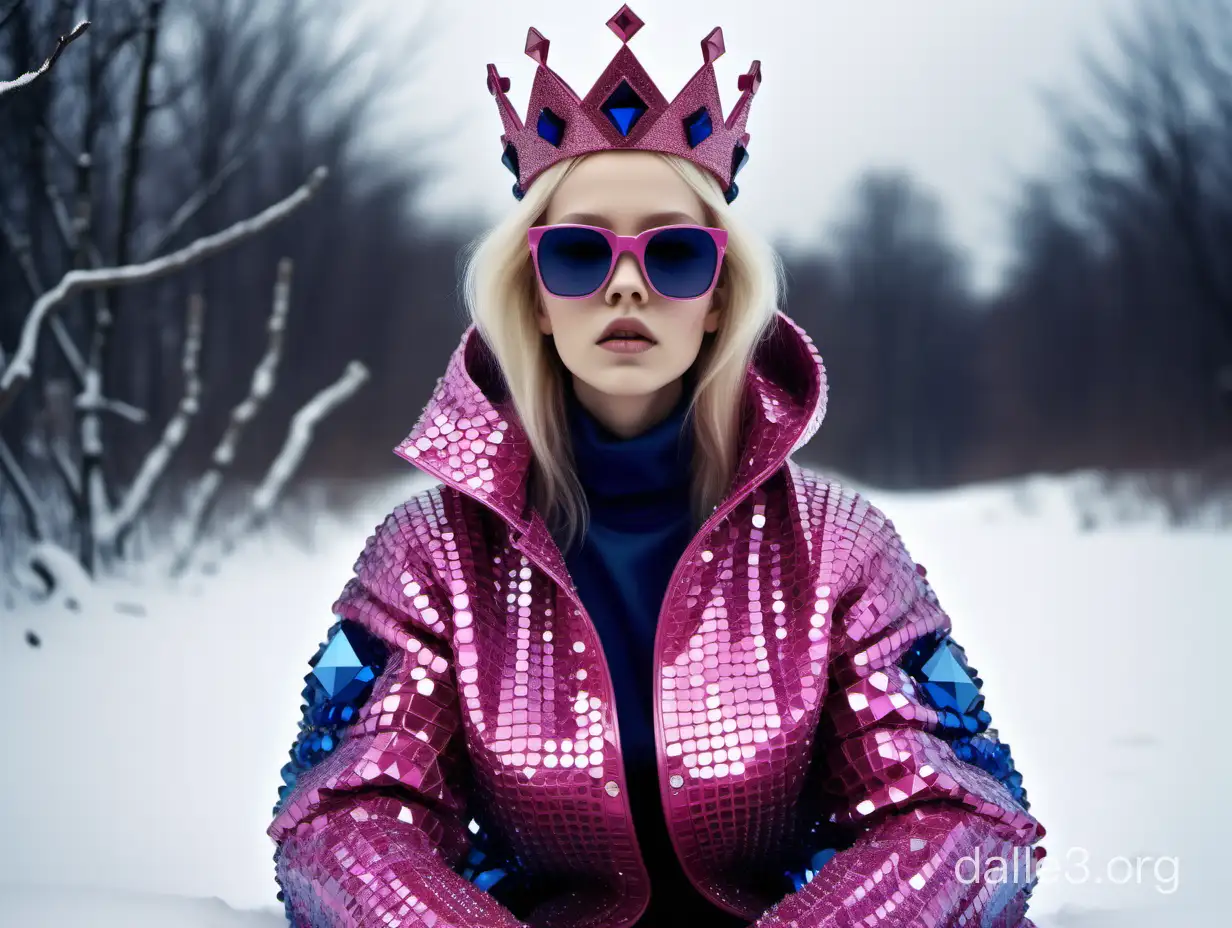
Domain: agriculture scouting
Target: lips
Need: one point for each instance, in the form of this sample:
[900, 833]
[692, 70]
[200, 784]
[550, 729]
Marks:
[625, 337]
[630, 327]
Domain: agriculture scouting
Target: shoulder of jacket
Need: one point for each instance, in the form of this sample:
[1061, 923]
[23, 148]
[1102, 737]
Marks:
[840, 507]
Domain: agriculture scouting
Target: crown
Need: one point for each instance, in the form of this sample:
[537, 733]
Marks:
[625, 110]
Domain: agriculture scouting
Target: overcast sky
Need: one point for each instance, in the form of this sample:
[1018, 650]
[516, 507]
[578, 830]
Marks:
[949, 89]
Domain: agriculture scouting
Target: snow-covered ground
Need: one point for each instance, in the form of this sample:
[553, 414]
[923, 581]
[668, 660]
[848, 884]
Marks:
[143, 738]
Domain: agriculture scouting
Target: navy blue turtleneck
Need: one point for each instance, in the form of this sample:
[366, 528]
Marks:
[640, 523]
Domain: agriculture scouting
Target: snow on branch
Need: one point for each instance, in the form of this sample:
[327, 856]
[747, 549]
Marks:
[294, 449]
[114, 525]
[20, 368]
[204, 494]
[61, 45]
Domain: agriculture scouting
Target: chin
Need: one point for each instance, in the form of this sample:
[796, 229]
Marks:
[627, 380]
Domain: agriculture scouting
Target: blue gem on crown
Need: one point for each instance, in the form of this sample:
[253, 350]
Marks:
[551, 127]
[698, 127]
[624, 108]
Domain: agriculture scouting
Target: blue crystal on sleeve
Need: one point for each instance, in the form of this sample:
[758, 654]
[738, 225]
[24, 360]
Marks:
[344, 670]
[951, 686]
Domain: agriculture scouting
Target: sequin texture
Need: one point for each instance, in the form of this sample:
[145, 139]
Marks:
[816, 760]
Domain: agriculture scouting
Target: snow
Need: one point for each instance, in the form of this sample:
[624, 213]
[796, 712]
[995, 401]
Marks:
[145, 735]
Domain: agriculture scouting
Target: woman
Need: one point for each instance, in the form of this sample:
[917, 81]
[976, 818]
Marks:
[619, 526]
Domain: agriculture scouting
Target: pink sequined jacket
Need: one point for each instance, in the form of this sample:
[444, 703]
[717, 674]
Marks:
[460, 731]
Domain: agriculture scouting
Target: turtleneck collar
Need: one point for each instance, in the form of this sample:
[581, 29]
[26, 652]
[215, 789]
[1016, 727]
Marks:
[655, 462]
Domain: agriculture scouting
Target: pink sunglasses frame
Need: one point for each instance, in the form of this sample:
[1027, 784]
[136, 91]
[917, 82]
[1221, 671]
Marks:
[635, 245]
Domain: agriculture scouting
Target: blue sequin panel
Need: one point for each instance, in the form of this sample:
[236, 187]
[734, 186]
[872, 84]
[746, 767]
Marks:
[344, 669]
[951, 686]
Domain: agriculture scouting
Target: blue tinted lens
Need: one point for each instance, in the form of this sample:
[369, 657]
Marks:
[681, 262]
[573, 262]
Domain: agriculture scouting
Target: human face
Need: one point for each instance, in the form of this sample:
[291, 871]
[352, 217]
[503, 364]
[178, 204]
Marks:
[627, 192]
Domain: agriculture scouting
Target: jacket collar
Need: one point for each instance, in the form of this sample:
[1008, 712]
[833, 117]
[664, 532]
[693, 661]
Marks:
[469, 437]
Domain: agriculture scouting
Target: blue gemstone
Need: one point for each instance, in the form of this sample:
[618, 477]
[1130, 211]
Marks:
[518, 192]
[551, 127]
[946, 681]
[341, 669]
[510, 159]
[489, 878]
[731, 192]
[624, 108]
[698, 127]
[820, 858]
[740, 158]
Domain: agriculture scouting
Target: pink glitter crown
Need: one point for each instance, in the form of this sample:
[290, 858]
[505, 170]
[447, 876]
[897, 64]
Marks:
[625, 110]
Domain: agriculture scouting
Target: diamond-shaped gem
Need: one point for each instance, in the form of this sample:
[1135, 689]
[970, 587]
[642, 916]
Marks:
[341, 671]
[698, 127]
[740, 157]
[947, 682]
[510, 159]
[537, 45]
[625, 23]
[624, 108]
[551, 127]
[712, 45]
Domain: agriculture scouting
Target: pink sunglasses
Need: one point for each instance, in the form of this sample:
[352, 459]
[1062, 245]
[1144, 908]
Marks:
[680, 262]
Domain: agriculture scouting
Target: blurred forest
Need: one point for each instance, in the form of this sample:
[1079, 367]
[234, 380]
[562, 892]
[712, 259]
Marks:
[1109, 345]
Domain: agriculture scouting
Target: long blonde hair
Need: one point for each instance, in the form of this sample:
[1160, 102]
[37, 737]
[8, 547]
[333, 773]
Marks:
[501, 294]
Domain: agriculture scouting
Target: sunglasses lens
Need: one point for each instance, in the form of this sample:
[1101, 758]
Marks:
[681, 262]
[573, 262]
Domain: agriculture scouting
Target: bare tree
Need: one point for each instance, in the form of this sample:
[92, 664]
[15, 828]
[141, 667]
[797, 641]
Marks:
[30, 76]
[103, 526]
[1155, 155]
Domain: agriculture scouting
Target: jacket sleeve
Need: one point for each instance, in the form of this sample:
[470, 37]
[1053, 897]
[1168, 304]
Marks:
[369, 827]
[942, 836]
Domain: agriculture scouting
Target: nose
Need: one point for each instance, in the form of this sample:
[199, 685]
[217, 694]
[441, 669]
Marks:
[627, 283]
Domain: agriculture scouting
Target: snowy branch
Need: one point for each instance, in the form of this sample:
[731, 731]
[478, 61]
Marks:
[299, 437]
[113, 526]
[19, 245]
[190, 207]
[21, 366]
[204, 494]
[36, 521]
[30, 76]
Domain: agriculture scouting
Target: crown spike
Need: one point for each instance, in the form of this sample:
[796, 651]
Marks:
[537, 46]
[625, 23]
[712, 45]
[495, 81]
[752, 80]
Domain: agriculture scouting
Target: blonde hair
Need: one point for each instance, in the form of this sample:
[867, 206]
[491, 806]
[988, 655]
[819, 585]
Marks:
[501, 294]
